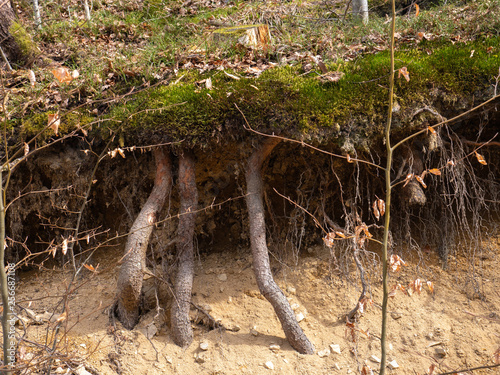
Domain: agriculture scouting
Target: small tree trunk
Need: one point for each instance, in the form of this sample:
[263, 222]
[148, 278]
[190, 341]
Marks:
[11, 35]
[131, 271]
[87, 10]
[181, 325]
[265, 281]
[360, 9]
[36, 15]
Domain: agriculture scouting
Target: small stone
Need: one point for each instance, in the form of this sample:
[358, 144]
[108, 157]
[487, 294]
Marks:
[391, 347]
[324, 353]
[81, 370]
[31, 314]
[151, 330]
[375, 359]
[300, 317]
[294, 306]
[441, 352]
[393, 365]
[222, 277]
[285, 360]
[335, 348]
[254, 331]
[83, 345]
[59, 370]
[396, 315]
[269, 365]
[168, 359]
[274, 347]
[235, 328]
[199, 358]
[336, 365]
[291, 290]
[204, 345]
[229, 299]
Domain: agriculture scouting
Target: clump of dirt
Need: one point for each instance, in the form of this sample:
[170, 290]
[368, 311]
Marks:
[445, 328]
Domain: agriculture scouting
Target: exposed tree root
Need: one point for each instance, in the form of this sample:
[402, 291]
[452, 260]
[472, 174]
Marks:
[181, 326]
[350, 315]
[265, 281]
[131, 271]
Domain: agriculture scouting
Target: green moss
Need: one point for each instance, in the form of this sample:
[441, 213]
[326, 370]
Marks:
[34, 124]
[284, 100]
[27, 47]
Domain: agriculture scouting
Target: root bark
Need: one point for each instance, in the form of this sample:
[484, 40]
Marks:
[131, 271]
[181, 325]
[267, 286]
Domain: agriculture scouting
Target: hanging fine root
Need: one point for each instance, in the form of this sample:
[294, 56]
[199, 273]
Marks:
[131, 271]
[267, 286]
[181, 326]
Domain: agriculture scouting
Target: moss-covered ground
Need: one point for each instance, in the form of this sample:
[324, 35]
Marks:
[150, 71]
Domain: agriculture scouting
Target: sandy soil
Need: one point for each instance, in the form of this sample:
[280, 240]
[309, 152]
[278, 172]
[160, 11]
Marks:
[453, 328]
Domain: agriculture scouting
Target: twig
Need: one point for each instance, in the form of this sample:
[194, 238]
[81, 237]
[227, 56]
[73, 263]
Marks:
[7, 61]
[470, 369]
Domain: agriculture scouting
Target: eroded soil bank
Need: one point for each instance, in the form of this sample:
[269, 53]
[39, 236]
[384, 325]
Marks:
[421, 328]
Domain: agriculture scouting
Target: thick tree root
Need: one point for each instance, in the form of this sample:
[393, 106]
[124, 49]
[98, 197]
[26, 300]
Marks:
[131, 272]
[181, 326]
[265, 281]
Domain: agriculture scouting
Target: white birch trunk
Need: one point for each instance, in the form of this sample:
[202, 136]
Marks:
[360, 8]
[36, 14]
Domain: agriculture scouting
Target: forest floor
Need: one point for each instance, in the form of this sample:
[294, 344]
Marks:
[455, 327]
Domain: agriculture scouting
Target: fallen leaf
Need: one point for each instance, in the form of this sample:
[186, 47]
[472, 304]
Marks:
[62, 74]
[404, 72]
[65, 246]
[417, 10]
[381, 206]
[435, 171]
[430, 285]
[480, 158]
[54, 121]
[375, 210]
[89, 267]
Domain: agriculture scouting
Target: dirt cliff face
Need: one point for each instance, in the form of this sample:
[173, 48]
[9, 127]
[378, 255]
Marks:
[47, 190]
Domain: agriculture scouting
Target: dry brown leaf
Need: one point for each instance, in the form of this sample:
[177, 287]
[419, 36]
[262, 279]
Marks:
[381, 206]
[62, 74]
[26, 149]
[435, 171]
[340, 234]
[65, 246]
[480, 158]
[431, 129]
[375, 210]
[328, 239]
[54, 121]
[421, 180]
[417, 10]
[404, 72]
[89, 267]
[430, 285]
[395, 263]
[416, 286]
